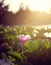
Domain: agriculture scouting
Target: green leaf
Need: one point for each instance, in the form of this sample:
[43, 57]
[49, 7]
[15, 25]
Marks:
[46, 43]
[32, 45]
[15, 54]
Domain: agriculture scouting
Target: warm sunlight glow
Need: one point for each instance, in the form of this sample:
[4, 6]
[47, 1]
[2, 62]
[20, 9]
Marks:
[14, 5]
[38, 5]
[48, 34]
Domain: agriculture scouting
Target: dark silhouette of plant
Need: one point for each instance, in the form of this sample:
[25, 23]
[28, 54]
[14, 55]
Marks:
[3, 10]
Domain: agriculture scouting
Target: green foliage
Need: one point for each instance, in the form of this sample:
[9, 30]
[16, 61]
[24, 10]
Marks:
[46, 44]
[40, 34]
[38, 44]
[32, 45]
[15, 55]
[9, 37]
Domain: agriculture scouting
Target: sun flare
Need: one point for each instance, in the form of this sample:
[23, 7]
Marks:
[38, 5]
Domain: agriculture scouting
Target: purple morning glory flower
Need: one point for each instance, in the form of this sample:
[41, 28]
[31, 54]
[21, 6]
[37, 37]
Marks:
[24, 38]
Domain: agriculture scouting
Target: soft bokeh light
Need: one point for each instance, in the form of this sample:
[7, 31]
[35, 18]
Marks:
[0, 0]
[39, 5]
[48, 34]
[14, 5]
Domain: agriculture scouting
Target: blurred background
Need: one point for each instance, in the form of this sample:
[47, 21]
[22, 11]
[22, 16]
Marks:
[22, 12]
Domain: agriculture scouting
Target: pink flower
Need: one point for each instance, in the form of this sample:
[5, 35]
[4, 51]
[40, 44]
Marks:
[24, 38]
